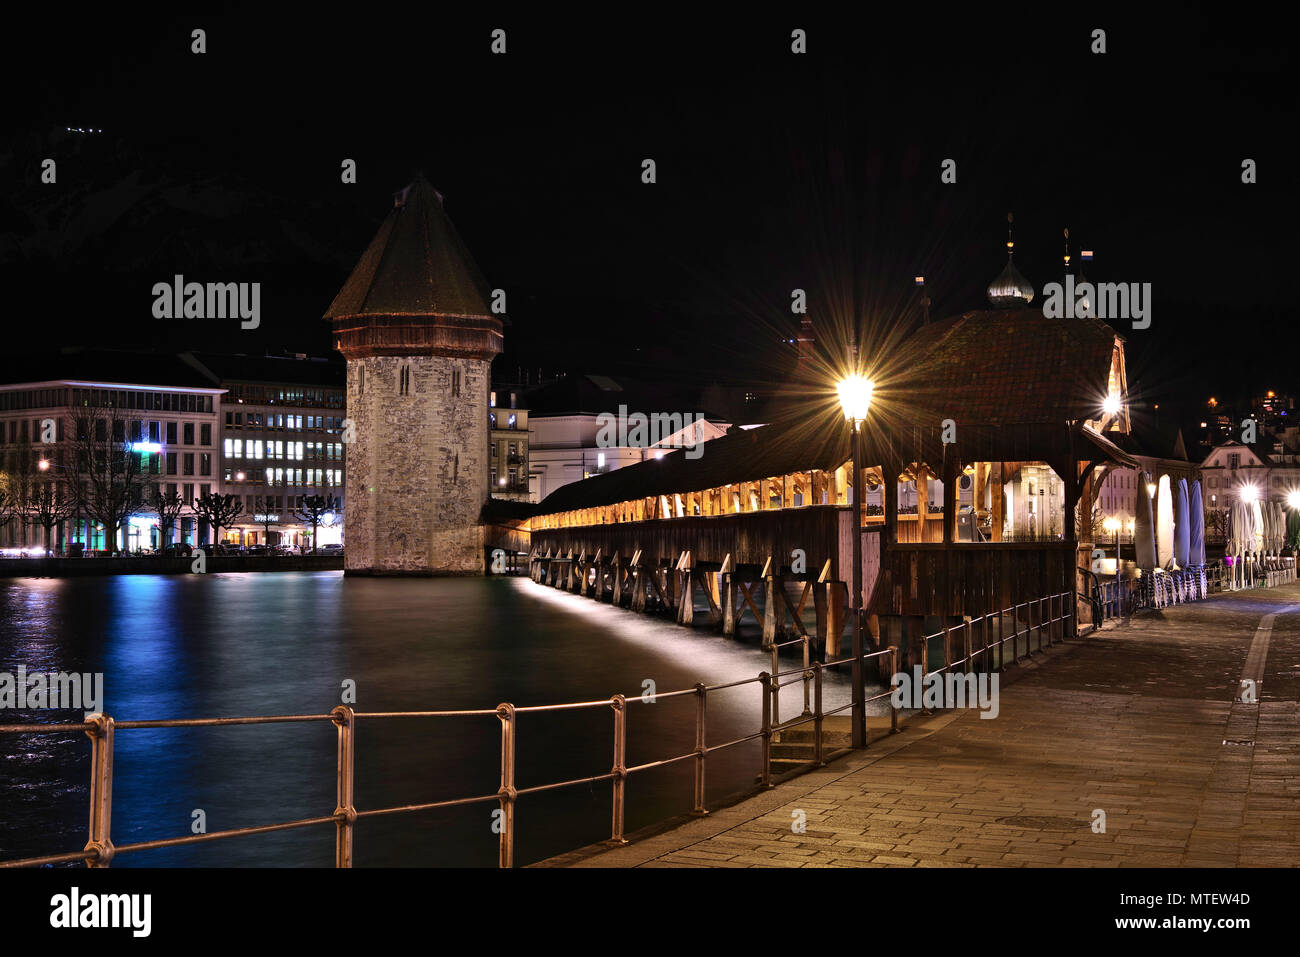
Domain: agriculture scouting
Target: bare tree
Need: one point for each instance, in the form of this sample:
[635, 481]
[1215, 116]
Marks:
[8, 504]
[167, 506]
[314, 512]
[20, 480]
[111, 478]
[51, 505]
[219, 511]
[266, 518]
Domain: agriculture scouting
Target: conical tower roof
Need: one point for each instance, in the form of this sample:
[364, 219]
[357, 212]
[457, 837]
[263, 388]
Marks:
[416, 265]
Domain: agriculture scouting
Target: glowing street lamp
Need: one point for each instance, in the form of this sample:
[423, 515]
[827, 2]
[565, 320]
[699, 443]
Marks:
[43, 465]
[1249, 493]
[1293, 499]
[1111, 404]
[1112, 525]
[855, 399]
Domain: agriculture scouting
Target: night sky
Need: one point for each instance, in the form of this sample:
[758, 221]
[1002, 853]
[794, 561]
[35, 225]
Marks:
[775, 171]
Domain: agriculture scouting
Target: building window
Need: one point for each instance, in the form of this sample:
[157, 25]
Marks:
[187, 461]
[205, 463]
[171, 433]
[188, 432]
[404, 380]
[455, 382]
[171, 463]
[510, 422]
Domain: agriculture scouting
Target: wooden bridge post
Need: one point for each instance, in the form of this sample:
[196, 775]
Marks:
[837, 598]
[728, 598]
[639, 585]
[773, 605]
[584, 573]
[686, 598]
[569, 580]
[618, 579]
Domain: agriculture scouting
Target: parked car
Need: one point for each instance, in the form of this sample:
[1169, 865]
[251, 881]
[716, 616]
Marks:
[177, 550]
[258, 550]
[227, 548]
[334, 548]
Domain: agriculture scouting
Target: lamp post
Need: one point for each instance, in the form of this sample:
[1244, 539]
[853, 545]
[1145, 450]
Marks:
[855, 399]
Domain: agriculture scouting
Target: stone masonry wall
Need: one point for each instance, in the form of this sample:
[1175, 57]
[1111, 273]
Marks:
[417, 470]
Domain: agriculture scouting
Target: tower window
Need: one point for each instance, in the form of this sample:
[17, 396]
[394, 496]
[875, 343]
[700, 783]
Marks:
[455, 382]
[404, 380]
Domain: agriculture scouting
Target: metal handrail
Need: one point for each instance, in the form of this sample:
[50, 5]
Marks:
[101, 729]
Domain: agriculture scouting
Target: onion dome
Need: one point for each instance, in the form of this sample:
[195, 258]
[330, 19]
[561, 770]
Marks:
[1010, 290]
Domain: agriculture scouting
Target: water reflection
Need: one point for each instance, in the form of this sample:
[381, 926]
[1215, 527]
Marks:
[243, 644]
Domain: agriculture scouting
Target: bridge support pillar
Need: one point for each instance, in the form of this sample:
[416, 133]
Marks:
[685, 598]
[728, 605]
[773, 610]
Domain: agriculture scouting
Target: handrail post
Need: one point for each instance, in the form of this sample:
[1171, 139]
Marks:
[100, 731]
[893, 705]
[1029, 650]
[345, 812]
[1002, 648]
[817, 714]
[765, 681]
[507, 794]
[807, 676]
[947, 662]
[701, 750]
[619, 704]
[1040, 623]
[925, 671]
[966, 643]
[776, 685]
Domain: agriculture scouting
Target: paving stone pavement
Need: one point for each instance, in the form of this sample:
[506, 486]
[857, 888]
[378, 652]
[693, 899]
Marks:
[1137, 721]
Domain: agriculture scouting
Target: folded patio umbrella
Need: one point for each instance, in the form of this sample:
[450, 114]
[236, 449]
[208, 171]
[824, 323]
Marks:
[1254, 527]
[1164, 524]
[1182, 525]
[1196, 543]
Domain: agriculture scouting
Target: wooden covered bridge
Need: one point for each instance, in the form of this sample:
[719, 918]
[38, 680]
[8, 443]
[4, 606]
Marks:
[1003, 413]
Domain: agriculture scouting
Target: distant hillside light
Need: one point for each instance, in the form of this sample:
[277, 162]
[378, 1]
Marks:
[855, 396]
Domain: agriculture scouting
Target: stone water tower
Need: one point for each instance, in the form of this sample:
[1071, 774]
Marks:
[414, 324]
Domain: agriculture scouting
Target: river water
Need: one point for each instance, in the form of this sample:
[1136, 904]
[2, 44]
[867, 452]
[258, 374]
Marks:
[196, 646]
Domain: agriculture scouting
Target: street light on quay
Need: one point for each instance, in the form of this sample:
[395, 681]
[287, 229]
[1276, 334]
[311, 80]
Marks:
[855, 399]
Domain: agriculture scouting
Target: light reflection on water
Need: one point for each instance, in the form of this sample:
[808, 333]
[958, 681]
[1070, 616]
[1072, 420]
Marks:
[247, 644]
